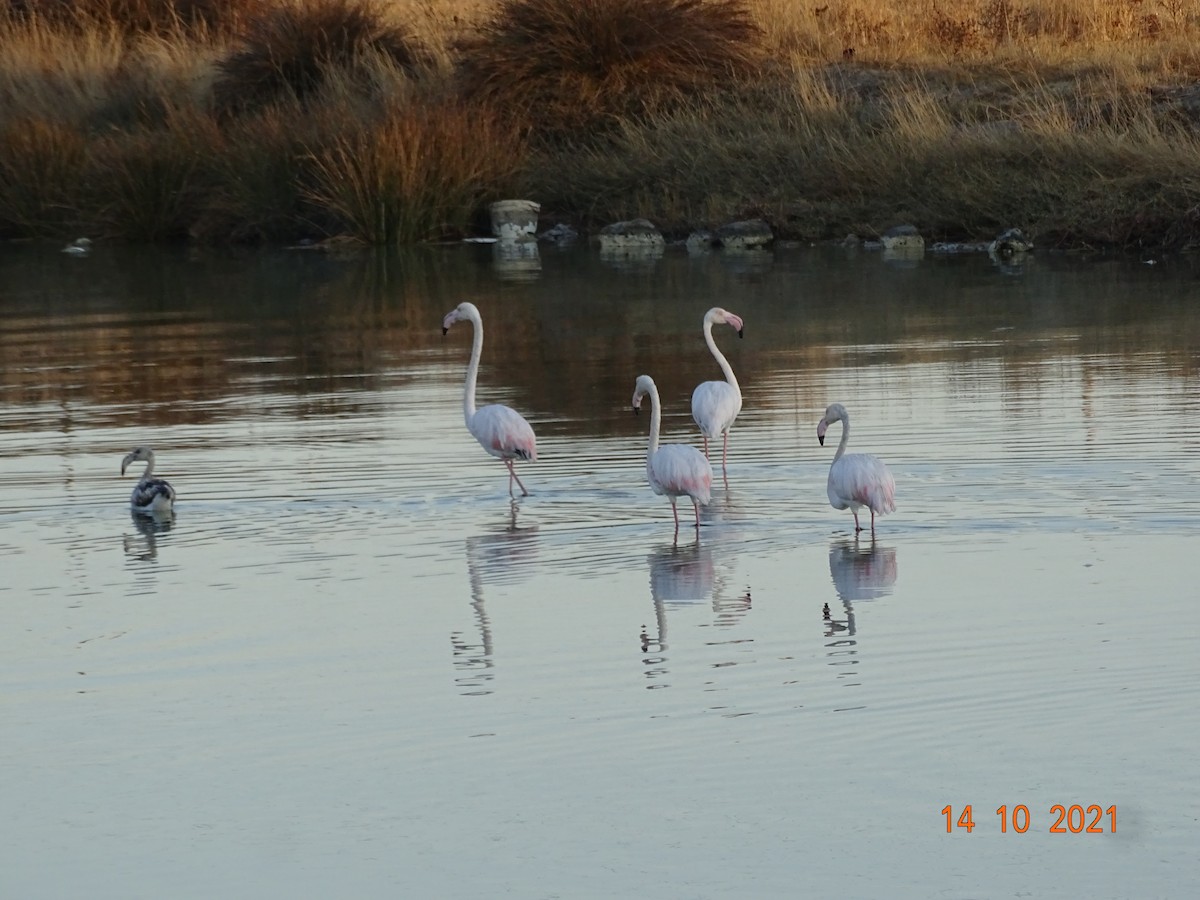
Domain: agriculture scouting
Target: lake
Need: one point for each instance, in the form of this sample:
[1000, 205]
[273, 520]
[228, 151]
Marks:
[350, 665]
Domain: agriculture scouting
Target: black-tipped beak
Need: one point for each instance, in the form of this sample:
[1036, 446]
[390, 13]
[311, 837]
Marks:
[821, 439]
[444, 330]
[741, 332]
[637, 410]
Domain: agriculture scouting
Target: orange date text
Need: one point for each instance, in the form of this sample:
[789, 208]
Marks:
[1062, 819]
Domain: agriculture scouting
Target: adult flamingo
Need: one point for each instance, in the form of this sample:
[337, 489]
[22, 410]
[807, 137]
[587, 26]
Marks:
[715, 404]
[150, 495]
[500, 430]
[675, 470]
[858, 479]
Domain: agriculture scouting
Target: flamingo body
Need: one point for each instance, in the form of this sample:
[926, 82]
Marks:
[501, 430]
[716, 404]
[150, 495]
[856, 479]
[673, 470]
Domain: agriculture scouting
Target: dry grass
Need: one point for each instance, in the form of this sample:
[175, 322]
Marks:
[574, 67]
[289, 50]
[1075, 119]
[421, 174]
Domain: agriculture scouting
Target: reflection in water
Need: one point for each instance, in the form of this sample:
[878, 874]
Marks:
[144, 545]
[491, 559]
[516, 261]
[683, 575]
[858, 573]
[861, 573]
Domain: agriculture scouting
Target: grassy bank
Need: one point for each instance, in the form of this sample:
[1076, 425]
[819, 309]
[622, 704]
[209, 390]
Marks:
[241, 120]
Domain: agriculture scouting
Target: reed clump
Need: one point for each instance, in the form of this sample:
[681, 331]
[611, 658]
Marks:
[573, 68]
[272, 120]
[290, 50]
[422, 173]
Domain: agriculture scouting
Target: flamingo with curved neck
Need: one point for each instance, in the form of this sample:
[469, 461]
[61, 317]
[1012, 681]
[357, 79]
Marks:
[856, 479]
[673, 470]
[716, 404]
[150, 494]
[500, 430]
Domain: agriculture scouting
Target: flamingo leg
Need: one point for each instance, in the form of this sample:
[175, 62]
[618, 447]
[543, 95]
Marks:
[705, 437]
[696, 507]
[857, 527]
[512, 473]
[725, 451]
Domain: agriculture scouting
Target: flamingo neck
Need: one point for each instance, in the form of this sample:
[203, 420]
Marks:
[845, 437]
[149, 468]
[472, 371]
[726, 368]
[655, 422]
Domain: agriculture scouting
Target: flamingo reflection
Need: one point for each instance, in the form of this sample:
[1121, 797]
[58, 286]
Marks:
[492, 559]
[144, 546]
[858, 573]
[682, 576]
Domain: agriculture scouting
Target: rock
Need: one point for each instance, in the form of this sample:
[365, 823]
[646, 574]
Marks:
[513, 220]
[903, 239]
[561, 234]
[1010, 243]
[959, 247]
[634, 235]
[750, 234]
[700, 242]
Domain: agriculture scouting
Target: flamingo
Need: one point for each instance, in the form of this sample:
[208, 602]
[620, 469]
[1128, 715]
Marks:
[500, 430]
[715, 404]
[150, 495]
[676, 470]
[859, 479]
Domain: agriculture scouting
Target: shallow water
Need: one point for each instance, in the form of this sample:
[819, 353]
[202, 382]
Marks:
[350, 665]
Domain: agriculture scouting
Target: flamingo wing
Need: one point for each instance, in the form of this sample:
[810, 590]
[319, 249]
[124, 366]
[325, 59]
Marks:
[859, 479]
[678, 470]
[154, 493]
[503, 432]
[715, 405]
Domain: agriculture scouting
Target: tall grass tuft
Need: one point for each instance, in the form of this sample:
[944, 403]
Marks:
[421, 174]
[576, 67]
[288, 50]
[148, 185]
[41, 166]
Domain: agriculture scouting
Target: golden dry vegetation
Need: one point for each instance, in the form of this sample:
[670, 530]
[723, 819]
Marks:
[252, 120]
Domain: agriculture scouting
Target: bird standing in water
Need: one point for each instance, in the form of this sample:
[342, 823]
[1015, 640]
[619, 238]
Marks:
[857, 479]
[150, 495]
[715, 404]
[675, 470]
[500, 430]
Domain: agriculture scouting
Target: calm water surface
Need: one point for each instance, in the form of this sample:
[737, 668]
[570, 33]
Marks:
[349, 666]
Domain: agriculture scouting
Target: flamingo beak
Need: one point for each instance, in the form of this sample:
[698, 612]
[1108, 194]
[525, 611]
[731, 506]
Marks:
[444, 330]
[821, 433]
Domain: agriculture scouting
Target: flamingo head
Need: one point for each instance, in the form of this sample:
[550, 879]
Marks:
[720, 316]
[467, 311]
[835, 412]
[137, 454]
[645, 384]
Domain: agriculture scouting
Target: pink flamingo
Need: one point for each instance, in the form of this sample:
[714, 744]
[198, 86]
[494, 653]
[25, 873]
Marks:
[500, 430]
[859, 479]
[715, 404]
[676, 470]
